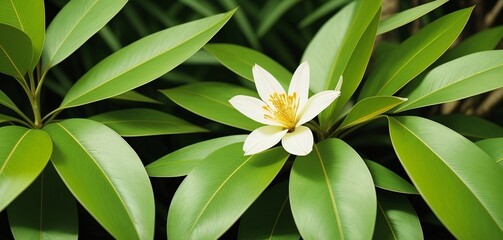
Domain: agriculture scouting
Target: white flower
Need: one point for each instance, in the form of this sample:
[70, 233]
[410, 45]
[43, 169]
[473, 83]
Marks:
[282, 113]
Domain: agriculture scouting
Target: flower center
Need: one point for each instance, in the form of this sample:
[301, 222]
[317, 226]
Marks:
[283, 109]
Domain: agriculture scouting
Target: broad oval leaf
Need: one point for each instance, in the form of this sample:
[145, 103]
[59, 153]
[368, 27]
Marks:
[143, 61]
[78, 21]
[388, 180]
[29, 17]
[211, 100]
[481, 72]
[415, 54]
[451, 173]
[105, 175]
[399, 19]
[45, 209]
[16, 51]
[23, 155]
[216, 192]
[270, 217]
[241, 60]
[493, 148]
[332, 195]
[182, 161]
[472, 127]
[396, 218]
[368, 109]
[137, 122]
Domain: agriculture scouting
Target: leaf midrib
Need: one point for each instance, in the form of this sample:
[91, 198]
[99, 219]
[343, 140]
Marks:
[9, 157]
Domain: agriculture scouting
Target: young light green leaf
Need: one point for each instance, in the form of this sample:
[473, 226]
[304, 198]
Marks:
[217, 191]
[368, 109]
[211, 100]
[182, 161]
[105, 175]
[471, 127]
[135, 97]
[16, 52]
[23, 155]
[139, 122]
[399, 19]
[269, 217]
[78, 21]
[143, 61]
[321, 11]
[388, 180]
[396, 218]
[332, 195]
[46, 208]
[481, 72]
[414, 55]
[271, 12]
[241, 60]
[492, 147]
[29, 17]
[446, 170]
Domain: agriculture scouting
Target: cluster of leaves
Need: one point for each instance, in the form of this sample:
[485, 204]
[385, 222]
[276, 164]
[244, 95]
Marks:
[343, 189]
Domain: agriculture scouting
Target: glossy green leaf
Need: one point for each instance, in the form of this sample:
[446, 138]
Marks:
[29, 17]
[105, 175]
[396, 218]
[481, 72]
[211, 100]
[23, 155]
[154, 55]
[322, 11]
[6, 101]
[332, 195]
[182, 161]
[399, 19]
[472, 127]
[270, 217]
[46, 208]
[78, 21]
[137, 122]
[493, 147]
[271, 12]
[451, 173]
[388, 180]
[241, 60]
[368, 109]
[415, 54]
[135, 97]
[217, 191]
[16, 51]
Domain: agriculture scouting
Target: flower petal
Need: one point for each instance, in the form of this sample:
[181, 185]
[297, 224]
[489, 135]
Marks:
[252, 108]
[265, 83]
[263, 138]
[300, 83]
[299, 142]
[316, 104]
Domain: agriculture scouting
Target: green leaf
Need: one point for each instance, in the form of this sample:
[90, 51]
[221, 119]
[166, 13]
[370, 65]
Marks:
[105, 175]
[23, 155]
[388, 180]
[368, 109]
[396, 218]
[241, 60]
[78, 21]
[46, 208]
[472, 127]
[16, 51]
[137, 122]
[211, 100]
[321, 11]
[332, 195]
[201, 7]
[414, 55]
[29, 17]
[135, 97]
[451, 173]
[6, 101]
[269, 217]
[182, 161]
[217, 191]
[143, 61]
[481, 72]
[271, 12]
[493, 148]
[242, 22]
[399, 19]
[5, 118]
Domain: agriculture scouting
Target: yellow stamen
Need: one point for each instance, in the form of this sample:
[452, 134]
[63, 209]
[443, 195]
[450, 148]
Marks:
[283, 109]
